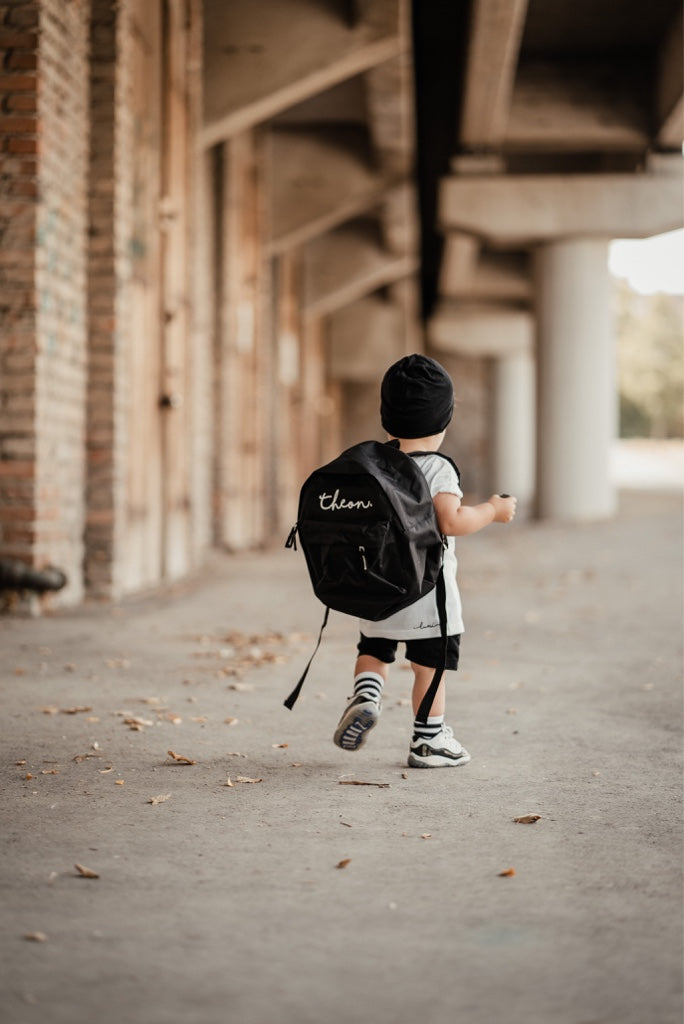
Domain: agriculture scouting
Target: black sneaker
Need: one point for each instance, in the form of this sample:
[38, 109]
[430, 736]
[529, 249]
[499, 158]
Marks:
[360, 717]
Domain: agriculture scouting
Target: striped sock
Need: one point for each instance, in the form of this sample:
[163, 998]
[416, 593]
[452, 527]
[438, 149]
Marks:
[369, 684]
[428, 730]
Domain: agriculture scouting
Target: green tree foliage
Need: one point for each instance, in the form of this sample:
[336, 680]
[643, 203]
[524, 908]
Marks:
[650, 353]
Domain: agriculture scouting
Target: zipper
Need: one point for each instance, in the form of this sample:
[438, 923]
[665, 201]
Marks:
[291, 541]
[362, 552]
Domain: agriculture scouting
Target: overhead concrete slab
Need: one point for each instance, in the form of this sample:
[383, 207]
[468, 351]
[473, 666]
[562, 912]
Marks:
[319, 179]
[363, 340]
[256, 65]
[346, 264]
[669, 93]
[575, 107]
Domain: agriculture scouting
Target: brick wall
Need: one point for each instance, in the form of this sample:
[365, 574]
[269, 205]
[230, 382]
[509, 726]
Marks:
[18, 207]
[43, 234]
[105, 440]
[61, 236]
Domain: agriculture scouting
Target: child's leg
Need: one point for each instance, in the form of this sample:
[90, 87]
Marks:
[433, 744]
[370, 675]
[422, 677]
[363, 709]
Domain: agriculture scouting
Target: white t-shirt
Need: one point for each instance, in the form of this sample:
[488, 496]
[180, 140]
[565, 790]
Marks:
[421, 620]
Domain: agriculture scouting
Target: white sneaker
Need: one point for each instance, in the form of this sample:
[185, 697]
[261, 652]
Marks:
[441, 751]
[360, 717]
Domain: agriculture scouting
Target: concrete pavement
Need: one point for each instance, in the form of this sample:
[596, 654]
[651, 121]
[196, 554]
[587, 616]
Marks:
[219, 903]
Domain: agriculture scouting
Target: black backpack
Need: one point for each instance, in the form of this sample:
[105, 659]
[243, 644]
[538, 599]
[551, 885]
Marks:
[368, 529]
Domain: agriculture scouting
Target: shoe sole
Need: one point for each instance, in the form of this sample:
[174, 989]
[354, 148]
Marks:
[438, 760]
[355, 725]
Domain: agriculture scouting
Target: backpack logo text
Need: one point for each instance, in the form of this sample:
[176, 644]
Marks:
[332, 502]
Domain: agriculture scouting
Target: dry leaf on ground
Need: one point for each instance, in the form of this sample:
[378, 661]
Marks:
[343, 863]
[137, 724]
[355, 782]
[508, 873]
[246, 778]
[426, 835]
[36, 937]
[280, 746]
[180, 759]
[229, 783]
[161, 799]
[231, 721]
[86, 872]
[77, 710]
[527, 819]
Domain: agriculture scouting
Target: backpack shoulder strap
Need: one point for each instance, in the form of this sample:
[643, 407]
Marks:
[428, 699]
[290, 701]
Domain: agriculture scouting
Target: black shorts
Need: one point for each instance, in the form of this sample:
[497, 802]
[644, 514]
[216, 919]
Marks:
[427, 652]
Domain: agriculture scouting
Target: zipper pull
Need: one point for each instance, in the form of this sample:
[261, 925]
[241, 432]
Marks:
[291, 541]
[362, 552]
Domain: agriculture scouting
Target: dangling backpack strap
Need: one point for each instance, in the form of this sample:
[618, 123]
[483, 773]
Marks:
[440, 596]
[291, 700]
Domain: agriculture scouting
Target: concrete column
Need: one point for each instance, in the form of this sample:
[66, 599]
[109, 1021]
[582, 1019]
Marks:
[514, 427]
[577, 399]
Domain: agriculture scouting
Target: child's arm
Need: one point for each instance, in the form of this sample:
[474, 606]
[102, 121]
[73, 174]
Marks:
[457, 520]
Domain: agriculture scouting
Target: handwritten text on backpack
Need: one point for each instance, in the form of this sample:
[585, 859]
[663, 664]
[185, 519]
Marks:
[332, 502]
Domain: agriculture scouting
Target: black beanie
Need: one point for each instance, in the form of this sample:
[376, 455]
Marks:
[416, 398]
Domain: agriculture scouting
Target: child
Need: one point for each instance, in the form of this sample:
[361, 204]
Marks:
[417, 403]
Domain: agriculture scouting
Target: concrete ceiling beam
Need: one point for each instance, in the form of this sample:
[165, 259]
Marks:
[399, 220]
[517, 211]
[390, 113]
[669, 99]
[481, 330]
[496, 276]
[345, 265]
[363, 340]
[319, 180]
[574, 108]
[256, 66]
[459, 261]
[495, 34]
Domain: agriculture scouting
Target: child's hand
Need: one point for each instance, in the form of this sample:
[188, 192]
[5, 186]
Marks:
[504, 507]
